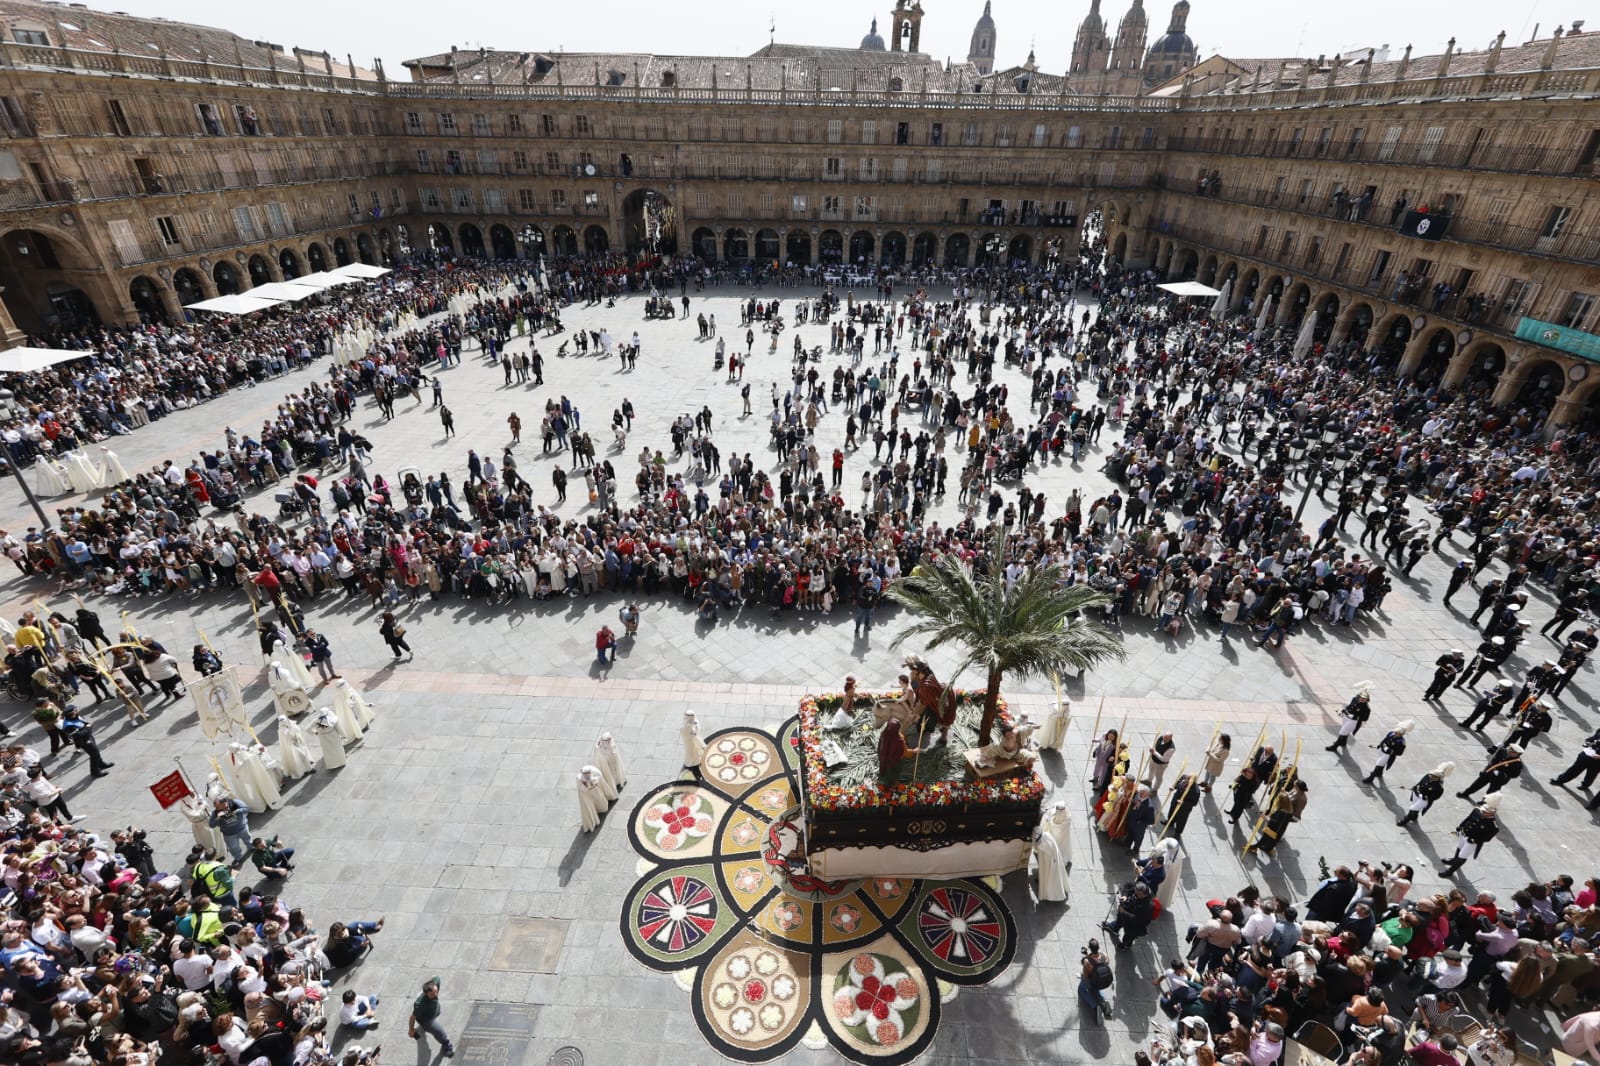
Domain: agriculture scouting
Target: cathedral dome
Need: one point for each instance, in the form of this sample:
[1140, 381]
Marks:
[872, 42]
[1173, 43]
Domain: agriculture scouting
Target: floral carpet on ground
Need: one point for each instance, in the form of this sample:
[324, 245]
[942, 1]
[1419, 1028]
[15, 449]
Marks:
[771, 962]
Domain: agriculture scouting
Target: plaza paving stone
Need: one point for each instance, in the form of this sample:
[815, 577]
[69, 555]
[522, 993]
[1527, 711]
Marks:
[456, 813]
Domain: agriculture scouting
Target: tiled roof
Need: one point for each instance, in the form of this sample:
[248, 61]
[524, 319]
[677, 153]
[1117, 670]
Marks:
[1576, 52]
[80, 27]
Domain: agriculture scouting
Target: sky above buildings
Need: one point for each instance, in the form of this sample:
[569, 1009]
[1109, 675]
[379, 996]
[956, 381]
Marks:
[403, 29]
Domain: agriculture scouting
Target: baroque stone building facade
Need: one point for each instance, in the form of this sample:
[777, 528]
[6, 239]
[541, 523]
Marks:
[1442, 210]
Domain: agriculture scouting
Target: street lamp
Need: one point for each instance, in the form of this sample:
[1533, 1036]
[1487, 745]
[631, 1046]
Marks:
[8, 411]
[1329, 437]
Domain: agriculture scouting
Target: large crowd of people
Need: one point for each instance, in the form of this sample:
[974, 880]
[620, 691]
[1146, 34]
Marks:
[1209, 426]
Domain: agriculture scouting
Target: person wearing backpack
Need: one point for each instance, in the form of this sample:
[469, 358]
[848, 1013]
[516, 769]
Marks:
[1095, 977]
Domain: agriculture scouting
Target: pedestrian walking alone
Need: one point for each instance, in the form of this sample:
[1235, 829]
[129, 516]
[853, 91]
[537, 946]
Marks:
[394, 635]
[448, 420]
[425, 1018]
[321, 654]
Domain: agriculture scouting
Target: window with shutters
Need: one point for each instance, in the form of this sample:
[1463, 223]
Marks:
[205, 223]
[430, 199]
[1391, 138]
[424, 160]
[519, 160]
[461, 198]
[1555, 220]
[558, 199]
[480, 125]
[127, 245]
[1041, 136]
[447, 122]
[547, 125]
[525, 199]
[514, 123]
[835, 130]
[581, 127]
[869, 168]
[1002, 135]
[932, 171]
[969, 135]
[277, 219]
[1577, 310]
[1430, 143]
[552, 162]
[494, 200]
[413, 122]
[869, 132]
[244, 221]
[1074, 137]
[899, 171]
[833, 167]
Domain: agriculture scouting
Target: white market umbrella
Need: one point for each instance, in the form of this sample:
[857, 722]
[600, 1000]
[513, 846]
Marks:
[360, 270]
[1219, 306]
[322, 280]
[1304, 339]
[25, 360]
[282, 290]
[1188, 288]
[1266, 314]
[237, 303]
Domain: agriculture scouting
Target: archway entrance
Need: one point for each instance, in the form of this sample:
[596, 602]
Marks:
[830, 246]
[1019, 253]
[894, 250]
[924, 250]
[532, 239]
[735, 245]
[146, 298]
[704, 244]
[649, 223]
[288, 264]
[862, 244]
[39, 274]
[596, 240]
[341, 251]
[260, 272]
[471, 241]
[439, 239]
[1540, 387]
[990, 249]
[505, 246]
[186, 283]
[316, 258]
[1488, 362]
[956, 250]
[767, 245]
[1360, 323]
[226, 279]
[1396, 335]
[564, 241]
[798, 248]
[1441, 345]
[364, 249]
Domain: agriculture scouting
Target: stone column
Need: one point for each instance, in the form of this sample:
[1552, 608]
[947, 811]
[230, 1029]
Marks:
[1566, 410]
[1456, 373]
[1510, 383]
[1411, 358]
[10, 335]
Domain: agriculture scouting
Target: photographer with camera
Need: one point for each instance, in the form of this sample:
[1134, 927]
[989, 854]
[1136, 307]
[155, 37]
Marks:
[1094, 978]
[1135, 912]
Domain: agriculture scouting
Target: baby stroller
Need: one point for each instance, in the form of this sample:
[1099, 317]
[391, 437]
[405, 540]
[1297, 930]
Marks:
[411, 485]
[289, 503]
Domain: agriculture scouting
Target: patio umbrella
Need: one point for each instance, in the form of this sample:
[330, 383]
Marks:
[1266, 314]
[1303, 340]
[1219, 306]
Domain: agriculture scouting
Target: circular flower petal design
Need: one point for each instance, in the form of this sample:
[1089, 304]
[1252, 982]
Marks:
[882, 947]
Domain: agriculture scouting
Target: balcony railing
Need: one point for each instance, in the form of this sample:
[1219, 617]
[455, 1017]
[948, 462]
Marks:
[1528, 160]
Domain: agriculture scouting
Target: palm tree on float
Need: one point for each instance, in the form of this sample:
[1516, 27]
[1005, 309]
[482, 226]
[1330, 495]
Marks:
[1035, 628]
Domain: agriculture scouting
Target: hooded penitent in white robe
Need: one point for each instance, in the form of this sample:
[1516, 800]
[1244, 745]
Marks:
[592, 802]
[326, 728]
[294, 754]
[1053, 735]
[693, 747]
[608, 760]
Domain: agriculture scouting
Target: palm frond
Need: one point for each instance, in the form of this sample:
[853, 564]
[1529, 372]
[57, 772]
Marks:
[1034, 628]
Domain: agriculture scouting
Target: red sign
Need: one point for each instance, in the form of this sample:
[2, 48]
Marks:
[170, 789]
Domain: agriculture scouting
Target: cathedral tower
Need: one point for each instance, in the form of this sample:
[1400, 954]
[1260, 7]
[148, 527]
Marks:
[1127, 55]
[981, 52]
[1090, 51]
